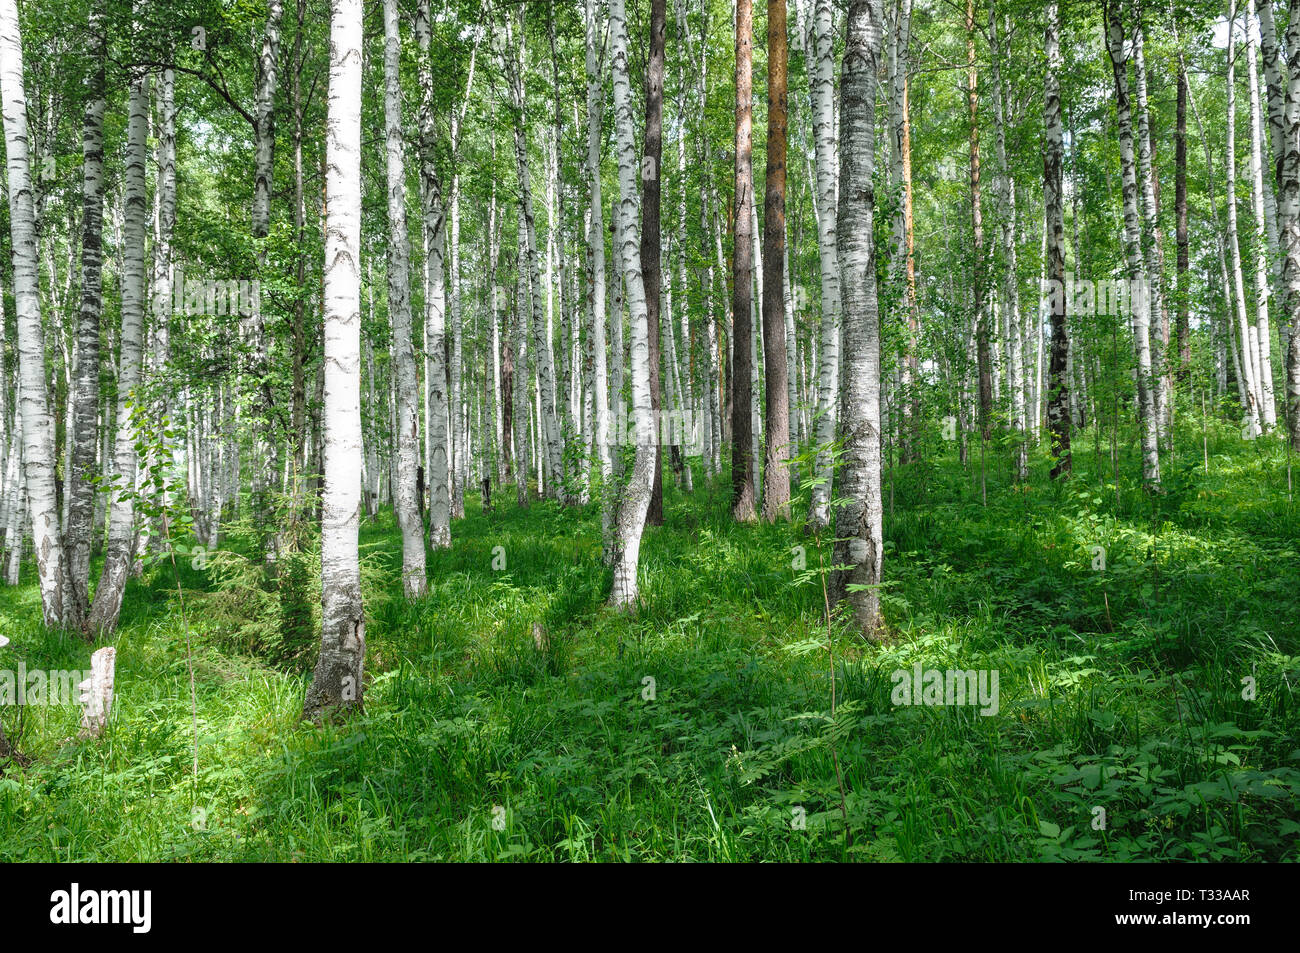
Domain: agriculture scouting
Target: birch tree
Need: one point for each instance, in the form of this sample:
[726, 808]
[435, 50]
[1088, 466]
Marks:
[821, 91]
[119, 553]
[1141, 304]
[1289, 221]
[595, 16]
[776, 473]
[438, 437]
[1265, 234]
[1153, 243]
[549, 442]
[337, 682]
[85, 397]
[406, 459]
[743, 462]
[1058, 401]
[634, 498]
[1010, 285]
[1248, 354]
[651, 227]
[38, 443]
[859, 523]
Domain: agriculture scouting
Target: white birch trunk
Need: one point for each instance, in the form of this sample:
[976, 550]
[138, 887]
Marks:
[549, 439]
[438, 473]
[37, 421]
[1141, 308]
[629, 519]
[859, 523]
[337, 683]
[119, 553]
[407, 456]
[1247, 357]
[1153, 246]
[595, 16]
[1010, 285]
[1265, 243]
[821, 84]
[83, 438]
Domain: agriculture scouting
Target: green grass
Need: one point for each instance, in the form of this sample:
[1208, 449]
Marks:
[1120, 690]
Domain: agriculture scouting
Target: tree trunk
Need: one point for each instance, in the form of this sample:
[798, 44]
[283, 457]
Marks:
[1153, 246]
[983, 339]
[39, 453]
[742, 427]
[1010, 285]
[859, 523]
[407, 456]
[119, 555]
[438, 472]
[596, 14]
[1248, 355]
[1058, 401]
[776, 473]
[821, 87]
[84, 437]
[548, 439]
[630, 516]
[1289, 219]
[1265, 236]
[651, 161]
[1182, 328]
[1141, 305]
[337, 684]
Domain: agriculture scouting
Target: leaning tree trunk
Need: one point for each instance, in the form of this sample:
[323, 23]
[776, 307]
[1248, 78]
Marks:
[651, 252]
[37, 421]
[629, 518]
[859, 523]
[776, 472]
[337, 682]
[121, 524]
[85, 397]
[406, 459]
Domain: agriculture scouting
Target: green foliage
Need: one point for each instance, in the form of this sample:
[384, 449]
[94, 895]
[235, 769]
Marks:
[507, 715]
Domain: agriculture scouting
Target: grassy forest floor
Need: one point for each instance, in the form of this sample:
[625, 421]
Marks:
[1120, 689]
